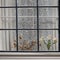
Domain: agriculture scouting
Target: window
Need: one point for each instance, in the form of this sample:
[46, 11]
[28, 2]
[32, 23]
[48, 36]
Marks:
[29, 25]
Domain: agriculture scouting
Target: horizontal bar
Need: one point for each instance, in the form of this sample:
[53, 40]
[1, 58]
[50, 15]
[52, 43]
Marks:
[36, 6]
[18, 29]
[29, 29]
[29, 6]
[29, 51]
[48, 6]
[27, 16]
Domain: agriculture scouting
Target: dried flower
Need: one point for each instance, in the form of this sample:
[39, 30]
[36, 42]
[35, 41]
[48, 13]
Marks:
[41, 40]
[33, 42]
[21, 47]
[20, 37]
[14, 40]
[49, 37]
[54, 40]
[14, 44]
[29, 48]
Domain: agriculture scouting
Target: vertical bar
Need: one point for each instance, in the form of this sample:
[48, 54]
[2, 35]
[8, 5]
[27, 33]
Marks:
[37, 27]
[5, 25]
[59, 23]
[16, 26]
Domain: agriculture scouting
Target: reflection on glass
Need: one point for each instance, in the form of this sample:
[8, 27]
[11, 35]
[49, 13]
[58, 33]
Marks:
[27, 18]
[48, 40]
[7, 12]
[7, 18]
[27, 40]
[27, 23]
[48, 12]
[26, 2]
[7, 3]
[8, 23]
[27, 12]
[48, 2]
[48, 23]
[7, 40]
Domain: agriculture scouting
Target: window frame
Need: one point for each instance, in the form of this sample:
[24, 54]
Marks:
[37, 7]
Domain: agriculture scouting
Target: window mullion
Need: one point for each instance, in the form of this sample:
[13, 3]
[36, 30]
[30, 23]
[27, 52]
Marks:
[16, 26]
[37, 26]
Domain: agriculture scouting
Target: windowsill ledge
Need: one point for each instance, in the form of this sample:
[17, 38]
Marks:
[52, 54]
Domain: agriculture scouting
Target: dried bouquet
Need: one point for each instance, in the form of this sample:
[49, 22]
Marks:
[24, 44]
[48, 42]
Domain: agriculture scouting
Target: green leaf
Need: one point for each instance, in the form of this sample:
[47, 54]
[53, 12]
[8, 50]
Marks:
[49, 44]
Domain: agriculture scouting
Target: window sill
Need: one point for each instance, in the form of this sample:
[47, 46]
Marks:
[19, 54]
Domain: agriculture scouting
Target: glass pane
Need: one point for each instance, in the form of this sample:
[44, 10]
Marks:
[48, 2]
[26, 2]
[48, 12]
[27, 12]
[48, 40]
[27, 22]
[48, 23]
[7, 12]
[27, 40]
[27, 18]
[8, 23]
[7, 40]
[7, 18]
[7, 2]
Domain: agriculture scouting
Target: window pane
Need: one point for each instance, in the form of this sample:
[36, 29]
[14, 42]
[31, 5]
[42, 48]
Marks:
[48, 12]
[7, 18]
[48, 2]
[48, 40]
[7, 2]
[27, 12]
[27, 18]
[7, 12]
[26, 2]
[48, 23]
[7, 40]
[27, 40]
[27, 22]
[8, 23]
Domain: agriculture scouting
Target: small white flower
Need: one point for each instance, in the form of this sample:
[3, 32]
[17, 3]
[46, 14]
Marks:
[41, 40]
[49, 37]
[54, 40]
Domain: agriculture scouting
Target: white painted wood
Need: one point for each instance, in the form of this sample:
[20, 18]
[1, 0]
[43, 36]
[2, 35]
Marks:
[27, 56]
